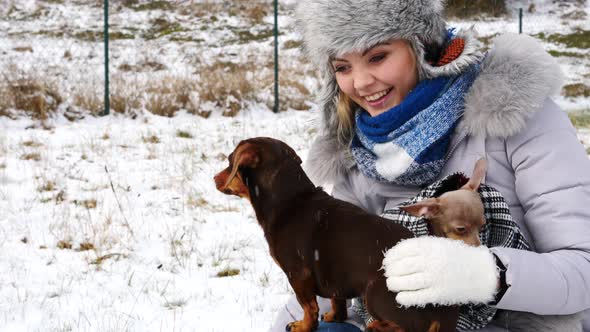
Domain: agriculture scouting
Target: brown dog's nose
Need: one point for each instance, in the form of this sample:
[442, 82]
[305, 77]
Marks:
[220, 180]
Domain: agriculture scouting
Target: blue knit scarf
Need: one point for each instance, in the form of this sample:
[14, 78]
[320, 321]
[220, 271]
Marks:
[407, 144]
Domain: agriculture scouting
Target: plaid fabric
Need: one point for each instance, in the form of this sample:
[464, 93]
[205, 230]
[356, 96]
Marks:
[499, 231]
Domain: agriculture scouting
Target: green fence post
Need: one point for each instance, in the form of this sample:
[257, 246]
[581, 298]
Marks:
[107, 106]
[520, 20]
[276, 34]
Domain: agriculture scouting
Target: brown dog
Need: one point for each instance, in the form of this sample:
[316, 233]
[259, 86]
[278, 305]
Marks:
[457, 214]
[325, 246]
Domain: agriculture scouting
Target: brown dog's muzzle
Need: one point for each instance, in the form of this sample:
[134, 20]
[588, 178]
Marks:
[220, 181]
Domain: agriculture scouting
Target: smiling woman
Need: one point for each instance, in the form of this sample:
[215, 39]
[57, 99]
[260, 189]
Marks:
[407, 101]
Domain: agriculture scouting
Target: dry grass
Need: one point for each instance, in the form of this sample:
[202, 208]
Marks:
[183, 134]
[125, 95]
[37, 97]
[100, 259]
[230, 85]
[163, 105]
[228, 272]
[23, 49]
[47, 186]
[88, 99]
[145, 65]
[475, 8]
[86, 203]
[580, 119]
[64, 244]
[151, 139]
[5, 101]
[253, 11]
[35, 156]
[196, 202]
[85, 246]
[32, 144]
[576, 90]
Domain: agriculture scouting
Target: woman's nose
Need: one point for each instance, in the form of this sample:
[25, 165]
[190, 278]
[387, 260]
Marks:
[362, 79]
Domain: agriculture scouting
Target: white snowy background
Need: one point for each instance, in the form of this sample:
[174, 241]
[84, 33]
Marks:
[114, 223]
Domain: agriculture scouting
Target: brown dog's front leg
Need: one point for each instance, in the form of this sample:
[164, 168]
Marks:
[434, 327]
[304, 290]
[383, 326]
[338, 312]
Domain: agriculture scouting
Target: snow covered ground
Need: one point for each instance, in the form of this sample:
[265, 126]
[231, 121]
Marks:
[140, 193]
[114, 223]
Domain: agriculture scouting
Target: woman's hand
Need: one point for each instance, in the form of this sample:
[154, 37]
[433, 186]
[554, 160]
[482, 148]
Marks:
[434, 270]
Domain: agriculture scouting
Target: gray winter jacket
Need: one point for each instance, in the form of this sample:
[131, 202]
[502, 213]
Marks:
[534, 159]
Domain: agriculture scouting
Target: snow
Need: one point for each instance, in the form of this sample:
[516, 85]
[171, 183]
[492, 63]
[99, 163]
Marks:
[172, 234]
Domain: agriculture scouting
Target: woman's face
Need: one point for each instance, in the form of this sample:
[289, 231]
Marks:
[378, 78]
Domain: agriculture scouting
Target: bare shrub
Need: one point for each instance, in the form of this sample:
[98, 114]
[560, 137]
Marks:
[32, 95]
[255, 11]
[163, 105]
[89, 99]
[167, 95]
[145, 65]
[5, 100]
[475, 8]
[293, 95]
[31, 156]
[125, 95]
[229, 85]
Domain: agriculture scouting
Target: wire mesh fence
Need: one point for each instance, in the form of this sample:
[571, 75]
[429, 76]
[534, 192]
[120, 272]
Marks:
[206, 57]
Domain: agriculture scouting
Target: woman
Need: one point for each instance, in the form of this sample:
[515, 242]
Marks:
[406, 102]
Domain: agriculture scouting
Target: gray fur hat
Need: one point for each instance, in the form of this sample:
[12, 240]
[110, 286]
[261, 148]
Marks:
[331, 28]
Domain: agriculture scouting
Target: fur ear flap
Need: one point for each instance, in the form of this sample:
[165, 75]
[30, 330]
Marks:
[427, 208]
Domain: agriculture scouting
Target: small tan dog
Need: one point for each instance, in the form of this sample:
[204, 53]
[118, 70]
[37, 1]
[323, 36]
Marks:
[457, 214]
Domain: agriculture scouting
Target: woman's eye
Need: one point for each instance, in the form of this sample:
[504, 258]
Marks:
[340, 69]
[377, 58]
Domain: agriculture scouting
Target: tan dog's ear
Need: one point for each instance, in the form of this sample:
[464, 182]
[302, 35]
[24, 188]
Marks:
[427, 208]
[479, 171]
[244, 157]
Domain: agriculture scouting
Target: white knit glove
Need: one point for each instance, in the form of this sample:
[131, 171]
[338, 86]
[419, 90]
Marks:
[442, 271]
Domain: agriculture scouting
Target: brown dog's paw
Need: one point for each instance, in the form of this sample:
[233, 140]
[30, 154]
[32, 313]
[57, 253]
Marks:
[332, 316]
[299, 326]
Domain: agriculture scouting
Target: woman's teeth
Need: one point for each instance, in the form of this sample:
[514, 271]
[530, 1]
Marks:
[377, 95]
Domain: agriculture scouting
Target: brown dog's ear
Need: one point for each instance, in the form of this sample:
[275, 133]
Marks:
[427, 208]
[245, 157]
[479, 171]
[290, 152]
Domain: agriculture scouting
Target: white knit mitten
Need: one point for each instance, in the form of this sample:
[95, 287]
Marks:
[442, 271]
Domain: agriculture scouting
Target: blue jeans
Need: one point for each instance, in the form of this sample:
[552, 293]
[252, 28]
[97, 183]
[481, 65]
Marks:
[337, 327]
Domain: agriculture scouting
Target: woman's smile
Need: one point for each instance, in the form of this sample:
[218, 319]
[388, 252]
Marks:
[378, 100]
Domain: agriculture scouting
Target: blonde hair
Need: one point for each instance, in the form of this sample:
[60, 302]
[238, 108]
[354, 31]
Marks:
[345, 113]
